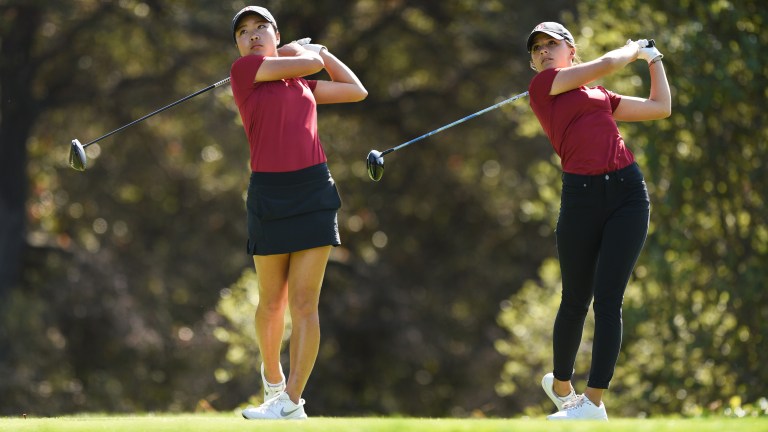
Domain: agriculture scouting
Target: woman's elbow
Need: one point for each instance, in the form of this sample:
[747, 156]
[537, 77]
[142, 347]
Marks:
[362, 93]
[355, 93]
[660, 110]
[317, 65]
[666, 111]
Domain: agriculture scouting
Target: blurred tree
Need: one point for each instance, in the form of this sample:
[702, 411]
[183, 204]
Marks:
[18, 112]
[134, 292]
[696, 311]
[114, 283]
[124, 286]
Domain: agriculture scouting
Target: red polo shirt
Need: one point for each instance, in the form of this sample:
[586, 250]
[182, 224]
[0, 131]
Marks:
[580, 126]
[279, 117]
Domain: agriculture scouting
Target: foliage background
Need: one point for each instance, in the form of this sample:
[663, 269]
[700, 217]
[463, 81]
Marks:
[125, 288]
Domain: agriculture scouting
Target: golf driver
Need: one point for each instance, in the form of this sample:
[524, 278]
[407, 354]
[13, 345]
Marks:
[77, 158]
[375, 160]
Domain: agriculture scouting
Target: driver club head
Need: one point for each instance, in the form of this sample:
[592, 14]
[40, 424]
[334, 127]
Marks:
[77, 158]
[375, 164]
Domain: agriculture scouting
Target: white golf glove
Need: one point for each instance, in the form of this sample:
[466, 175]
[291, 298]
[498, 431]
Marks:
[648, 51]
[315, 47]
[303, 41]
[650, 54]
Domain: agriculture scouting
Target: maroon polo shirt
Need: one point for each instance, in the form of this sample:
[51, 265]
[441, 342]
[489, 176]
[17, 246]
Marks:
[580, 126]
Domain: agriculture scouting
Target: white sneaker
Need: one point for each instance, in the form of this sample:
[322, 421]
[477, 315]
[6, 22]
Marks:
[280, 407]
[272, 390]
[581, 408]
[547, 383]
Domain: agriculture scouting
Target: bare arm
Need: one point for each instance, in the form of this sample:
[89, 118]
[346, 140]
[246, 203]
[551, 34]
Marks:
[657, 106]
[293, 61]
[344, 85]
[584, 73]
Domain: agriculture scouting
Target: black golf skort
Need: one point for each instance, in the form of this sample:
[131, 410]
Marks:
[292, 211]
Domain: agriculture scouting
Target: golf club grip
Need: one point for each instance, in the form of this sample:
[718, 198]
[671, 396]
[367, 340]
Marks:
[222, 82]
[651, 43]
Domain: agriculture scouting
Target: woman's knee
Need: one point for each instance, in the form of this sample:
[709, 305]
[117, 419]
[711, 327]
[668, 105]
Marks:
[607, 309]
[304, 304]
[573, 311]
[272, 304]
[575, 303]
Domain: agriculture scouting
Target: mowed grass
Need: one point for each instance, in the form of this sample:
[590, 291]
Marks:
[231, 422]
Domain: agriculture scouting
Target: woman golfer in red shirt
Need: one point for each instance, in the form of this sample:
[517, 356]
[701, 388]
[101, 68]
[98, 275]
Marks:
[604, 207]
[292, 199]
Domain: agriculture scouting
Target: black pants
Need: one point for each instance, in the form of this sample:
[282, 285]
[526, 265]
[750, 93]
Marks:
[601, 230]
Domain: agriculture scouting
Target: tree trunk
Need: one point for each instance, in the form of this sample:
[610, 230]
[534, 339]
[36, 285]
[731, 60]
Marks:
[18, 111]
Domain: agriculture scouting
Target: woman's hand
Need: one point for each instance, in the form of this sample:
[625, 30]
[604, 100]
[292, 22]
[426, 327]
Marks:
[636, 46]
[650, 53]
[293, 49]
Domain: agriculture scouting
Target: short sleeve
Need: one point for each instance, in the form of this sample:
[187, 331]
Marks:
[541, 85]
[243, 73]
[614, 98]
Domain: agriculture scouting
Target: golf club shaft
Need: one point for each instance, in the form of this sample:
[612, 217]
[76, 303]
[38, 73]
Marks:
[471, 116]
[212, 86]
[302, 41]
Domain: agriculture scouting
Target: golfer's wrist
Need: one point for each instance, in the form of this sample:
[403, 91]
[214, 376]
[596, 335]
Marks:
[315, 48]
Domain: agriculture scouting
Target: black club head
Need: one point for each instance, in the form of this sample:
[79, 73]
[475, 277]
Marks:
[375, 164]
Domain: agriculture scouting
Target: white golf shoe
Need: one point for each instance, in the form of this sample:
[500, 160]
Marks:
[547, 383]
[581, 408]
[272, 390]
[280, 407]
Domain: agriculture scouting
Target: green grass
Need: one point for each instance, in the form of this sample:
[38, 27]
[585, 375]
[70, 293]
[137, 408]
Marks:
[231, 422]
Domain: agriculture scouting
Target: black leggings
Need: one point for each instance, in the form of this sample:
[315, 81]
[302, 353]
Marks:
[601, 229]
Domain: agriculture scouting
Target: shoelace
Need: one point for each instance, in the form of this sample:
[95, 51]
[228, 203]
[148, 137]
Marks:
[575, 403]
[267, 404]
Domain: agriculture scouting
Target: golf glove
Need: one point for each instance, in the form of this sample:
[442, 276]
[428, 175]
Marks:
[647, 51]
[650, 54]
[315, 47]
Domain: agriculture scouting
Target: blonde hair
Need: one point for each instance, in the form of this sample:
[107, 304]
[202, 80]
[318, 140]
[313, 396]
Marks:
[576, 57]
